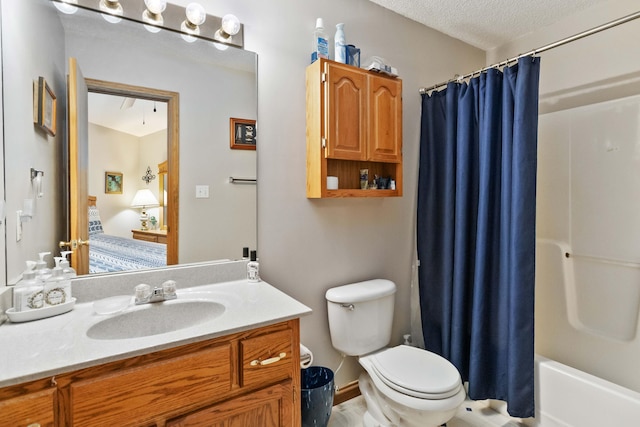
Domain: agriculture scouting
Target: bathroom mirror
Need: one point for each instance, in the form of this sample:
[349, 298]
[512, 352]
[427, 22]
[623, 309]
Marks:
[213, 85]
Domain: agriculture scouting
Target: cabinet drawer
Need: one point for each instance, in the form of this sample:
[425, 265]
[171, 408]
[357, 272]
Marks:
[145, 237]
[33, 408]
[133, 396]
[266, 359]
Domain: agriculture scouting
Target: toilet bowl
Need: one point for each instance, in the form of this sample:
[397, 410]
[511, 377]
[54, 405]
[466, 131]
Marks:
[403, 386]
[408, 386]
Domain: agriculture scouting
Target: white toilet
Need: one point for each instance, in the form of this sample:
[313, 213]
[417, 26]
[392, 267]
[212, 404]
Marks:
[403, 385]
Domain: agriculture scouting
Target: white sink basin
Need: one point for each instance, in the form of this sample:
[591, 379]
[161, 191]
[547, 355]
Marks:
[156, 318]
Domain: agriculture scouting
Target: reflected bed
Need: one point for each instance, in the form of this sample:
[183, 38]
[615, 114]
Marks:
[113, 253]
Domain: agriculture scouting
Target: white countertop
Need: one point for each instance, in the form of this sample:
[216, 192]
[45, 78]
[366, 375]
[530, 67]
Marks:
[47, 347]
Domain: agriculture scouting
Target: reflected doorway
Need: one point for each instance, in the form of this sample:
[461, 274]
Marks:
[157, 145]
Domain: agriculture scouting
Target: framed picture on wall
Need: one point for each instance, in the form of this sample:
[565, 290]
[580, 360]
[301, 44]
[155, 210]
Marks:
[44, 106]
[113, 183]
[242, 133]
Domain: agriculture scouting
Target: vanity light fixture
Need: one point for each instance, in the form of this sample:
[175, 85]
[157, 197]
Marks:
[144, 199]
[66, 6]
[152, 15]
[112, 10]
[196, 15]
[156, 15]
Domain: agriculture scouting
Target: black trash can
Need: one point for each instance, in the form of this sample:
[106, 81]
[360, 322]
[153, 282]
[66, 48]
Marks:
[317, 396]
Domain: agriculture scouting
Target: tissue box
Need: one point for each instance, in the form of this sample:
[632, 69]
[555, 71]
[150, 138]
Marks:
[353, 55]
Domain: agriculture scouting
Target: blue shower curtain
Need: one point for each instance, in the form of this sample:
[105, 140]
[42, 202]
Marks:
[476, 230]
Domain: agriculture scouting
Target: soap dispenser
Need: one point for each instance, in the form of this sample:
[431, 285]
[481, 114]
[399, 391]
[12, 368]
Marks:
[57, 288]
[253, 268]
[42, 270]
[68, 271]
[28, 293]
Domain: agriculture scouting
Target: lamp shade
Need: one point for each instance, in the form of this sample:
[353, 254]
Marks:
[144, 198]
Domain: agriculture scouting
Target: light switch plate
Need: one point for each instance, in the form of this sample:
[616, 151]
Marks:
[202, 191]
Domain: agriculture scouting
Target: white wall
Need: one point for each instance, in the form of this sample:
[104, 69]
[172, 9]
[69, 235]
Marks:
[25, 58]
[307, 246]
[599, 68]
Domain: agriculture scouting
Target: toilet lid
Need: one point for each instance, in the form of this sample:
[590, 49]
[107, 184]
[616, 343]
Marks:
[417, 372]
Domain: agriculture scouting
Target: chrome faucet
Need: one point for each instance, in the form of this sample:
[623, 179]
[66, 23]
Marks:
[145, 294]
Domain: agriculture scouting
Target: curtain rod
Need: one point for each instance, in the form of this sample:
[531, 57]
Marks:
[550, 46]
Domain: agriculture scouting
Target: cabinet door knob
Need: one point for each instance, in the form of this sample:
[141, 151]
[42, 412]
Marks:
[268, 361]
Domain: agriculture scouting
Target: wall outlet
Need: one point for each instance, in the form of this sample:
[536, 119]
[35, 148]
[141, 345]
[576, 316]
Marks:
[202, 191]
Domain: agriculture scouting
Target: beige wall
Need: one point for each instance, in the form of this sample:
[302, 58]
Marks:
[113, 151]
[307, 246]
[602, 67]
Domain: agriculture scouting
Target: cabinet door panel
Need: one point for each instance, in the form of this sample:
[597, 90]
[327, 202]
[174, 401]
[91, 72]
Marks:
[269, 407]
[33, 408]
[346, 113]
[385, 116]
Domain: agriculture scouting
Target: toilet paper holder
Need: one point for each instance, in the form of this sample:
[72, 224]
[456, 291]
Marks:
[306, 357]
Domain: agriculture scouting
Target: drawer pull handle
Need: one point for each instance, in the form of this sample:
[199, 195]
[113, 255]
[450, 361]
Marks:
[268, 361]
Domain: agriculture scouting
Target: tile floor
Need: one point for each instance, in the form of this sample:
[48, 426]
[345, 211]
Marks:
[470, 414]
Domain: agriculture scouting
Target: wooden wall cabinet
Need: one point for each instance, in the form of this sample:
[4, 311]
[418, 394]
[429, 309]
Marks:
[247, 378]
[354, 122]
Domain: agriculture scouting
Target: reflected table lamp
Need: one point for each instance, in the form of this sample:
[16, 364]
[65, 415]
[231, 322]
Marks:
[144, 199]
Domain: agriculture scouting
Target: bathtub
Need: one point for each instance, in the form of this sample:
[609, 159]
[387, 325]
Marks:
[568, 397]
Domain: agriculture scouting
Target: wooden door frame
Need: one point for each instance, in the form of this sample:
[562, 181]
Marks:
[173, 147]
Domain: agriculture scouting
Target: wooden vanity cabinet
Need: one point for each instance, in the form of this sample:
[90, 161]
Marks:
[354, 121]
[21, 407]
[247, 378]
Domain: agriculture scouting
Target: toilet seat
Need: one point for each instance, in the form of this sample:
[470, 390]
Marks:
[415, 372]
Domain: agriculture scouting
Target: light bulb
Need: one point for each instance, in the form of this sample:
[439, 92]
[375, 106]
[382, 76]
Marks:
[152, 15]
[112, 10]
[155, 7]
[66, 6]
[220, 46]
[196, 15]
[230, 24]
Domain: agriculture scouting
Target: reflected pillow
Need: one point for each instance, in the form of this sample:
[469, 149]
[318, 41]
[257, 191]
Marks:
[95, 225]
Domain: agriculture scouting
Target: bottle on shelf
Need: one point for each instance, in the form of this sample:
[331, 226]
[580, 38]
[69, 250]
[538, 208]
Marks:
[320, 47]
[28, 293]
[57, 288]
[68, 271]
[340, 45]
[42, 269]
[253, 268]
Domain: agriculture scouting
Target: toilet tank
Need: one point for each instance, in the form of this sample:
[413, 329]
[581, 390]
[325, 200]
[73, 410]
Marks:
[361, 315]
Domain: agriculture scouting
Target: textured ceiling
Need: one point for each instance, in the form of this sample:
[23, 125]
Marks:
[486, 23]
